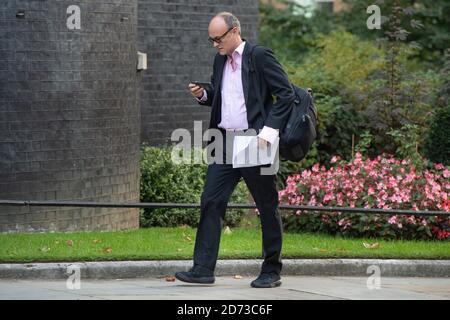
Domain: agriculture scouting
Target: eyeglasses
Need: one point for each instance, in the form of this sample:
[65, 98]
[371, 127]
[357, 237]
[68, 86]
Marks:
[218, 40]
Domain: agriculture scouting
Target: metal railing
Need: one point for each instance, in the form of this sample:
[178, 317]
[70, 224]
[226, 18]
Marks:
[32, 203]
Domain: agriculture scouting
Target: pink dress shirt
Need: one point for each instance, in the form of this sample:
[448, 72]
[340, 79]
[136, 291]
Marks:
[234, 111]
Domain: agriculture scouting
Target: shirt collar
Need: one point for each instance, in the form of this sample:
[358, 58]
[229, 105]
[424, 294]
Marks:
[240, 48]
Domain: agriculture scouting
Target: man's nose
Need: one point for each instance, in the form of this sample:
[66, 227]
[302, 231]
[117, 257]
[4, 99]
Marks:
[215, 44]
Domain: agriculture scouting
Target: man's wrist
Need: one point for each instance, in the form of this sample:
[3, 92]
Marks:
[269, 134]
[203, 97]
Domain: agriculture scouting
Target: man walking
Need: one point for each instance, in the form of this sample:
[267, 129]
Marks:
[240, 101]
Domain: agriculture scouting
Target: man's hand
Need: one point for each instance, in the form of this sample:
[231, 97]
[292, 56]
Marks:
[262, 143]
[196, 90]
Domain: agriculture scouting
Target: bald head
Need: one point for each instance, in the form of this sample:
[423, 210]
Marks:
[229, 19]
[225, 29]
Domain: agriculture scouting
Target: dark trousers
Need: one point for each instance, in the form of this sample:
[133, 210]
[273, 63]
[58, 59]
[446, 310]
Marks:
[221, 179]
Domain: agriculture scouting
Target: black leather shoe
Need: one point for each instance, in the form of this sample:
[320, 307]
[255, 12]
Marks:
[267, 280]
[196, 275]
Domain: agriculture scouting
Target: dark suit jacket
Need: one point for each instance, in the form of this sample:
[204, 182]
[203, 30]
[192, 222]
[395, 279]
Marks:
[270, 81]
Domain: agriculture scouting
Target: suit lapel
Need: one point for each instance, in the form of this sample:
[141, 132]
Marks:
[216, 112]
[221, 66]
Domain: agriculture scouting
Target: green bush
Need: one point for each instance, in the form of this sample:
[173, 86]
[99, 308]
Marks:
[338, 122]
[289, 34]
[434, 17]
[164, 181]
[410, 103]
[337, 70]
[339, 64]
[438, 142]
[360, 87]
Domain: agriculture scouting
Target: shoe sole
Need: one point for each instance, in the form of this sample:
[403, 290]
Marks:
[202, 280]
[270, 285]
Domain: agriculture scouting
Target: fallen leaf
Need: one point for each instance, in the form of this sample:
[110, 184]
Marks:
[56, 242]
[45, 249]
[236, 276]
[97, 241]
[179, 250]
[170, 279]
[69, 243]
[107, 250]
[371, 246]
[227, 230]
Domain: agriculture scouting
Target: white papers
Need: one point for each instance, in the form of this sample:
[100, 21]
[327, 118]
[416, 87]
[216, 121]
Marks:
[247, 153]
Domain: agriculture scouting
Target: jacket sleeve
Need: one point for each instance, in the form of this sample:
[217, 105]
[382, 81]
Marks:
[210, 93]
[279, 86]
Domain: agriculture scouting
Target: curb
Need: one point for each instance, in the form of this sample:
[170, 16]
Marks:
[304, 267]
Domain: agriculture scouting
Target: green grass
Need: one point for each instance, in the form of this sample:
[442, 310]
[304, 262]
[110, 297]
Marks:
[178, 243]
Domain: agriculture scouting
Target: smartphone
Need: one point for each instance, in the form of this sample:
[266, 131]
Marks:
[205, 85]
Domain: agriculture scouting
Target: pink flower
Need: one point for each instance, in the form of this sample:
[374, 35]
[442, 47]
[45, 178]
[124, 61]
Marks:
[358, 158]
[384, 183]
[314, 189]
[328, 197]
[392, 220]
[380, 186]
[392, 182]
[335, 159]
[339, 199]
[306, 174]
[411, 220]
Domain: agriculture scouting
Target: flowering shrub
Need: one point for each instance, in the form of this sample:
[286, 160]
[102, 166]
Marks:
[384, 183]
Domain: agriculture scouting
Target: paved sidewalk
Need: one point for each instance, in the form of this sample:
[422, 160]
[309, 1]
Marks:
[229, 288]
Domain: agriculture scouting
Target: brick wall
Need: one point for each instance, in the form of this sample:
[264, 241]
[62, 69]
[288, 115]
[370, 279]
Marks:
[174, 35]
[73, 109]
[69, 113]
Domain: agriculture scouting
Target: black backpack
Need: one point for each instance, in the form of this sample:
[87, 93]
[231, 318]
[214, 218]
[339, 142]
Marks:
[300, 131]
